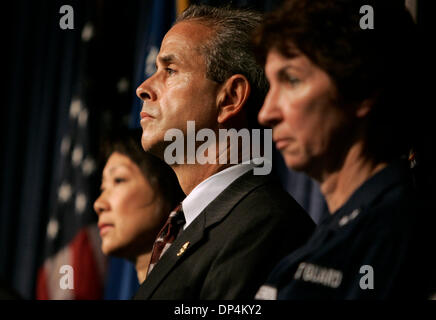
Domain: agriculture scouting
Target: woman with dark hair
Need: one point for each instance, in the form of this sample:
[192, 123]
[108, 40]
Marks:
[340, 105]
[138, 192]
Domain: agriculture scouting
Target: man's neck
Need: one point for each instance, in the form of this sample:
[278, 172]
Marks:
[338, 186]
[191, 175]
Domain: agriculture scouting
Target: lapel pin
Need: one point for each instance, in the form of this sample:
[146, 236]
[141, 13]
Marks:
[183, 249]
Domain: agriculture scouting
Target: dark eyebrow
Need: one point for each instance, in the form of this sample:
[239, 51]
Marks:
[283, 71]
[167, 59]
[300, 69]
[111, 170]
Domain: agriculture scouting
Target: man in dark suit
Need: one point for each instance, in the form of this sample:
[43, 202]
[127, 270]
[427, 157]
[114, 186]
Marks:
[238, 221]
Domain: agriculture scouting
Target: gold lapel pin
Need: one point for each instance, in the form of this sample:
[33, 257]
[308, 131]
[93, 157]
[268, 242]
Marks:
[183, 248]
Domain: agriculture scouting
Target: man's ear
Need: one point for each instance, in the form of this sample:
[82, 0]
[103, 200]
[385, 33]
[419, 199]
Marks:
[232, 97]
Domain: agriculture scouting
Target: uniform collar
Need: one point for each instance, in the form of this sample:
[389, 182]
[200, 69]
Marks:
[369, 192]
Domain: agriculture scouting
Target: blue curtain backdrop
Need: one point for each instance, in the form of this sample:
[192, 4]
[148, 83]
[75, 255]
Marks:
[41, 71]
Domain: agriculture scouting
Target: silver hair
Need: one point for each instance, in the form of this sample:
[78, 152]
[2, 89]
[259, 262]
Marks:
[230, 50]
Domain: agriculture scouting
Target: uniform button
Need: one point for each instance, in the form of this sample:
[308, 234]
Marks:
[355, 213]
[344, 220]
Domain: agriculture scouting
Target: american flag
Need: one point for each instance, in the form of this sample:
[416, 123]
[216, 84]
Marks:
[74, 266]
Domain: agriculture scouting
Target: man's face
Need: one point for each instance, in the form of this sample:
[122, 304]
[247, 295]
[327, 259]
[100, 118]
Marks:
[179, 90]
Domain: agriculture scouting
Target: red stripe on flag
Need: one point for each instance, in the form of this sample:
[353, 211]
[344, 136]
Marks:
[87, 280]
[41, 285]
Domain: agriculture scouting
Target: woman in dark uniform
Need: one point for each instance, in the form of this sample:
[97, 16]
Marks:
[138, 192]
[342, 104]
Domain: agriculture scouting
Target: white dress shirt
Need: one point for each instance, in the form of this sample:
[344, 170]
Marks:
[209, 189]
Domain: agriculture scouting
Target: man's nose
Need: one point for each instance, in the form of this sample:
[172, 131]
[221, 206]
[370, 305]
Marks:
[145, 91]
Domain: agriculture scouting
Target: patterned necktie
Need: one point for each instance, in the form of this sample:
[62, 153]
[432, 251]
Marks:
[167, 236]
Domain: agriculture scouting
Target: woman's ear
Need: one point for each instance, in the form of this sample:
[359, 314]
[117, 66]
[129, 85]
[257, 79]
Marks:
[232, 97]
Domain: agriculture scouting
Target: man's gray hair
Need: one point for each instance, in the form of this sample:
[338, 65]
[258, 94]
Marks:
[230, 50]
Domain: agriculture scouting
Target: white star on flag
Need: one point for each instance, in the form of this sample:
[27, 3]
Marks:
[80, 203]
[65, 191]
[150, 62]
[77, 156]
[122, 85]
[65, 145]
[83, 117]
[52, 228]
[88, 166]
[87, 32]
[76, 106]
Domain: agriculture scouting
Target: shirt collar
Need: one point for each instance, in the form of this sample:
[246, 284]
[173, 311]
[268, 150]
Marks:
[205, 192]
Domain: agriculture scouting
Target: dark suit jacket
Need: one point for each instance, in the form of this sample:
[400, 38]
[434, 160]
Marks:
[233, 244]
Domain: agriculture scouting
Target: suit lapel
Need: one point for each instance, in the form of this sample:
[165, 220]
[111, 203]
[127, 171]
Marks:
[219, 208]
[193, 234]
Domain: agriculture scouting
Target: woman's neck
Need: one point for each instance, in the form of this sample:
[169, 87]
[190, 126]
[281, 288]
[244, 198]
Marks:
[338, 186]
[141, 264]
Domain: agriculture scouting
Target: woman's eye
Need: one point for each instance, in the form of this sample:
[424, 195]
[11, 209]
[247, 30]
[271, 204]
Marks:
[288, 78]
[119, 180]
[292, 80]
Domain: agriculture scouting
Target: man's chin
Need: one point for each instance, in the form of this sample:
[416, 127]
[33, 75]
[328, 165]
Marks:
[157, 148]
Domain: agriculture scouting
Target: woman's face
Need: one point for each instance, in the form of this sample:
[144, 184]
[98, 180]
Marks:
[129, 213]
[308, 126]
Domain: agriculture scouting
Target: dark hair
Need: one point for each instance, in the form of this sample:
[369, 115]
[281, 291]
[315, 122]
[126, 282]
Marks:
[377, 64]
[160, 175]
[230, 50]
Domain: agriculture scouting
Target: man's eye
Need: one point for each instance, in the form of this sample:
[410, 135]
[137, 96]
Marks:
[170, 71]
